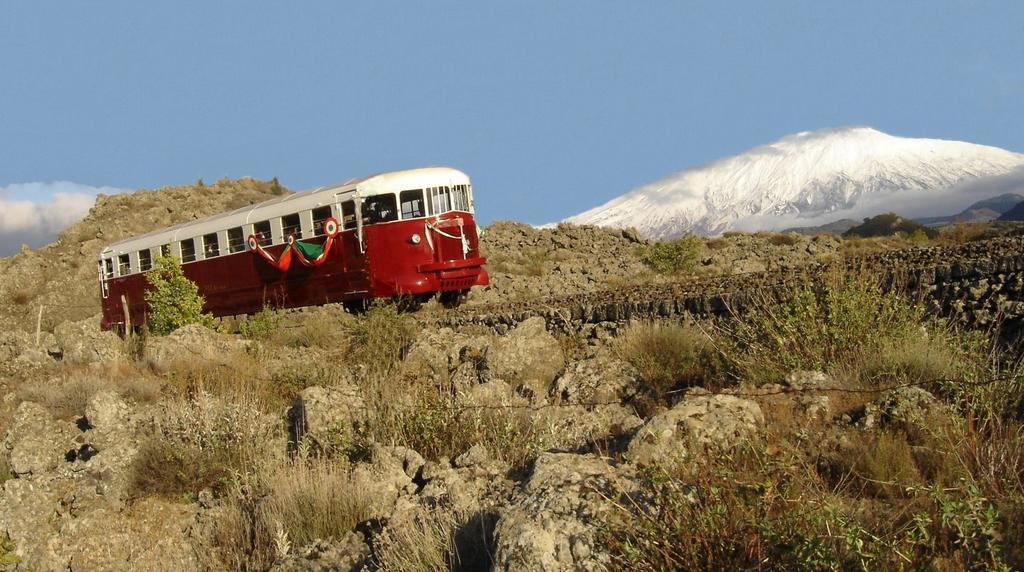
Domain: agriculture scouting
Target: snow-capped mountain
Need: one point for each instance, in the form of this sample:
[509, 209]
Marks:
[812, 178]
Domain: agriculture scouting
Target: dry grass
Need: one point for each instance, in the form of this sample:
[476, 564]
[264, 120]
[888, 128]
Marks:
[771, 511]
[437, 539]
[199, 442]
[67, 394]
[961, 233]
[779, 238]
[280, 507]
[529, 261]
[847, 326]
[670, 358]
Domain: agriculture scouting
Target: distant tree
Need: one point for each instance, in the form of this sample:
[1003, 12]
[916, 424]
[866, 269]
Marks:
[173, 299]
[889, 224]
[275, 187]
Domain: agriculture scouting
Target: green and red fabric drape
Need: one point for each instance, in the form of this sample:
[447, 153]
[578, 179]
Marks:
[307, 254]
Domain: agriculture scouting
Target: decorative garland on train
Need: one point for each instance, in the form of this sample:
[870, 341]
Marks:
[309, 255]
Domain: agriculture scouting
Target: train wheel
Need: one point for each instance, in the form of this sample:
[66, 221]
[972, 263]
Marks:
[354, 306]
[453, 299]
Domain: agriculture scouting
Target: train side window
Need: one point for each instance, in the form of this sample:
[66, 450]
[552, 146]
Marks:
[124, 266]
[236, 241]
[188, 250]
[108, 267]
[348, 215]
[165, 250]
[145, 260]
[290, 225]
[412, 204]
[262, 232]
[320, 215]
[211, 246]
[379, 208]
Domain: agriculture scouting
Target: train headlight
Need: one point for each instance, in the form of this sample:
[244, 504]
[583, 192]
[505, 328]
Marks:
[415, 239]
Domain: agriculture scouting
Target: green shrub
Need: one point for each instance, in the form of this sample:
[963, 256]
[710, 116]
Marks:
[838, 327]
[260, 326]
[173, 299]
[380, 337]
[675, 257]
[764, 511]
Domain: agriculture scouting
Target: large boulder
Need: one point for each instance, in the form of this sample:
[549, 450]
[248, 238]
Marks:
[528, 358]
[109, 442]
[36, 443]
[718, 422]
[552, 519]
[322, 415]
[84, 342]
[601, 379]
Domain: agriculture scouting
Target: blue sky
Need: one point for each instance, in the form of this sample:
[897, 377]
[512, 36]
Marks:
[551, 107]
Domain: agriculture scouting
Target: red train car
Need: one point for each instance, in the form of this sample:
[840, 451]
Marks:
[406, 233]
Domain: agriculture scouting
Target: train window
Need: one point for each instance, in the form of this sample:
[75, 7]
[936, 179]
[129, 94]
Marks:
[236, 242]
[165, 250]
[211, 247]
[379, 208]
[348, 215]
[145, 260]
[412, 204]
[108, 267]
[262, 232]
[124, 266]
[188, 250]
[441, 199]
[319, 216]
[290, 224]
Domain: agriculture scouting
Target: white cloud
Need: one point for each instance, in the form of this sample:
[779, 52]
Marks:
[35, 213]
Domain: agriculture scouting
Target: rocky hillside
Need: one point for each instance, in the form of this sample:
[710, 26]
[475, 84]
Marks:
[834, 432]
[62, 276]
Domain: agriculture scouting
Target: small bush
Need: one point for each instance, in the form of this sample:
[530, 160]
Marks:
[770, 512]
[173, 299]
[198, 443]
[260, 326]
[280, 507]
[779, 238]
[836, 327]
[670, 357]
[380, 337]
[676, 257]
[442, 425]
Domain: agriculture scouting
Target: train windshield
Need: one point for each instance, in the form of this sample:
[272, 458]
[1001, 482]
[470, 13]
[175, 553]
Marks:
[444, 199]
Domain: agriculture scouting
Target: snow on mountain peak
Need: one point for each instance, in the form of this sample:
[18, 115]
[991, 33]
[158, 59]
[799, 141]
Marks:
[800, 177]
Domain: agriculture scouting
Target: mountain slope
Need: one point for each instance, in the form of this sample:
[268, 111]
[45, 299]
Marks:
[61, 276]
[803, 175]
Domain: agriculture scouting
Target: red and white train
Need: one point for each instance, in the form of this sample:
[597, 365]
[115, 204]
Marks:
[407, 233]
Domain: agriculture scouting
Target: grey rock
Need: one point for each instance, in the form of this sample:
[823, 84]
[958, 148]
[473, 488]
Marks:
[552, 519]
[84, 342]
[703, 421]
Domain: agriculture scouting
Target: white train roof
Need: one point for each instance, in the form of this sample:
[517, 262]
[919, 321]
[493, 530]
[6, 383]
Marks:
[304, 200]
